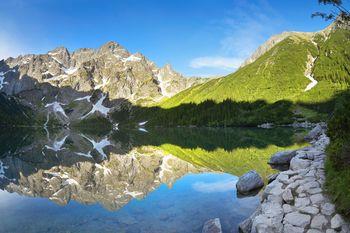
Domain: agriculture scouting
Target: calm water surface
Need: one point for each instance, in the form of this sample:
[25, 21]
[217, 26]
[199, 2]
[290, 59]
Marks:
[160, 180]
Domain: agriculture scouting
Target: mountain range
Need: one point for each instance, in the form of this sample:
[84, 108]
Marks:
[69, 85]
[294, 76]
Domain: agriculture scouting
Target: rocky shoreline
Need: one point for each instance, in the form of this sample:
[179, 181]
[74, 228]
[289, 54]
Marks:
[295, 202]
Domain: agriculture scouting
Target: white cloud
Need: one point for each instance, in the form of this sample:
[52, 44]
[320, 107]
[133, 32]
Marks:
[226, 63]
[214, 187]
[245, 27]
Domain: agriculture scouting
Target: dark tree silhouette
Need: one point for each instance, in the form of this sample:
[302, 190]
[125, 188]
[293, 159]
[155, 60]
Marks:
[339, 11]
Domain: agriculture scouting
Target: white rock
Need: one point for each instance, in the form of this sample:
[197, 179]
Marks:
[287, 196]
[330, 231]
[328, 209]
[283, 178]
[319, 222]
[309, 210]
[336, 222]
[296, 163]
[297, 219]
[272, 210]
[287, 208]
[317, 199]
[313, 231]
[314, 191]
[302, 202]
[292, 229]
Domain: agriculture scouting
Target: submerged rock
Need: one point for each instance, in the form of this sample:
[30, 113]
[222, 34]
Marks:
[212, 226]
[249, 182]
[246, 225]
[282, 157]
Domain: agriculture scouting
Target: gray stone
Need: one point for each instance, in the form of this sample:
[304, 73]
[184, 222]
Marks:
[345, 228]
[287, 196]
[309, 210]
[287, 208]
[319, 222]
[272, 177]
[336, 222]
[314, 191]
[330, 231]
[263, 223]
[292, 229]
[314, 133]
[250, 181]
[246, 225]
[282, 157]
[212, 226]
[297, 219]
[302, 202]
[283, 178]
[313, 231]
[328, 209]
[297, 164]
[271, 209]
[317, 198]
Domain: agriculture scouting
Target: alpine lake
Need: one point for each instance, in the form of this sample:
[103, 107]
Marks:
[135, 180]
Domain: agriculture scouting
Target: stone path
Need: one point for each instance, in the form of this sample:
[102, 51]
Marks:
[294, 202]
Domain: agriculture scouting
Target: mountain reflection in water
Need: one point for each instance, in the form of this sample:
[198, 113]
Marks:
[162, 180]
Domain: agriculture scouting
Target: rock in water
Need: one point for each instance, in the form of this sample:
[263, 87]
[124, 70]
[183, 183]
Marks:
[282, 157]
[212, 226]
[249, 182]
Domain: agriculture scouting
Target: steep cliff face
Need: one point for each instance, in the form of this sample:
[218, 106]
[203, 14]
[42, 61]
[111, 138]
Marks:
[70, 85]
[111, 68]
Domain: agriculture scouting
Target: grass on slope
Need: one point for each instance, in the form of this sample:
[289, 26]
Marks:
[271, 89]
[338, 159]
[276, 75]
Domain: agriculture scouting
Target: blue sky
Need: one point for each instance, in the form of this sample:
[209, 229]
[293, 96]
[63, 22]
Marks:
[198, 37]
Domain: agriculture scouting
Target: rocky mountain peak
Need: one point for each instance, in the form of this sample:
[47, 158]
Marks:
[114, 48]
[110, 69]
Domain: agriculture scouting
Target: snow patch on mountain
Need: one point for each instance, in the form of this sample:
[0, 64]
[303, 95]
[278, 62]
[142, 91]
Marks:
[57, 145]
[2, 78]
[98, 107]
[99, 145]
[2, 170]
[70, 70]
[308, 72]
[56, 107]
[131, 58]
[87, 98]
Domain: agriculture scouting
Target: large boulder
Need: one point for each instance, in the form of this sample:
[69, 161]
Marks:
[249, 182]
[282, 157]
[212, 226]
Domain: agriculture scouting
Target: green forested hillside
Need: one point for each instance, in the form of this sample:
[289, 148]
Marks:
[279, 73]
[271, 89]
